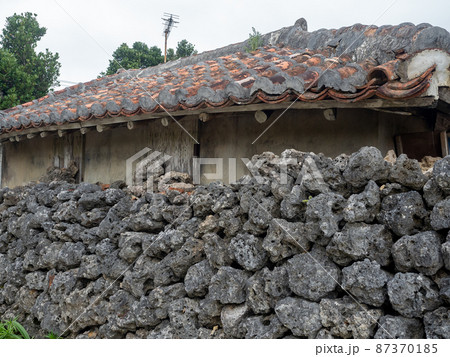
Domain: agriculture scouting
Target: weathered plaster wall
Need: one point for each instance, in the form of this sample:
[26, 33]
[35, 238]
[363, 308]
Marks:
[28, 160]
[224, 136]
[305, 130]
[106, 153]
[252, 260]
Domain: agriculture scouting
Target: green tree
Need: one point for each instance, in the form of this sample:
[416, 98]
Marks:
[137, 56]
[185, 49]
[142, 56]
[16, 85]
[31, 74]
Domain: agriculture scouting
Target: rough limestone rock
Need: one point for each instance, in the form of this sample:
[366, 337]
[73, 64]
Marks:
[363, 207]
[263, 327]
[441, 173]
[183, 318]
[209, 312]
[276, 282]
[258, 299]
[403, 213]
[247, 250]
[407, 172]
[358, 241]
[228, 285]
[285, 239]
[323, 215]
[420, 252]
[260, 258]
[365, 165]
[413, 294]
[437, 323]
[312, 275]
[300, 316]
[197, 279]
[366, 281]
[432, 193]
[345, 318]
[216, 250]
[445, 289]
[440, 216]
[232, 317]
[292, 206]
[399, 327]
[446, 254]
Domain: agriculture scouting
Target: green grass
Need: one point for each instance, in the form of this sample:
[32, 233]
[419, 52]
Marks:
[11, 329]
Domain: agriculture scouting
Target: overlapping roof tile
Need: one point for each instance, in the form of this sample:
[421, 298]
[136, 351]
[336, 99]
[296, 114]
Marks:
[272, 74]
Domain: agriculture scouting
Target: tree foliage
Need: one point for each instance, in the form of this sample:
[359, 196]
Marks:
[24, 73]
[254, 40]
[185, 49]
[142, 56]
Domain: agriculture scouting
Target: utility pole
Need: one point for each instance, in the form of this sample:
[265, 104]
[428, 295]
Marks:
[169, 21]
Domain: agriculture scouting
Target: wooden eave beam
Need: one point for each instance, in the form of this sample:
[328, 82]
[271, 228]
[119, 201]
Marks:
[323, 104]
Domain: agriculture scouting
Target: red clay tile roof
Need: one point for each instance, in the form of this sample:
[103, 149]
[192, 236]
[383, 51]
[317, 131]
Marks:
[272, 74]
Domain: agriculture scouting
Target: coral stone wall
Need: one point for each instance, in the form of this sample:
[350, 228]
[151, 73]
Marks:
[351, 247]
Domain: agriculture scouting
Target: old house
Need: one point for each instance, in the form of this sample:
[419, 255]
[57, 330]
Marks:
[329, 91]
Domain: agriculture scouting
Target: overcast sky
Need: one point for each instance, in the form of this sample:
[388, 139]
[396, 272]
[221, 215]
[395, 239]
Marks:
[86, 32]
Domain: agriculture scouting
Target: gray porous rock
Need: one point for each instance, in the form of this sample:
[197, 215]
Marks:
[257, 298]
[366, 281]
[441, 173]
[88, 201]
[445, 289]
[276, 282]
[420, 252]
[446, 252]
[432, 193]
[413, 294]
[285, 239]
[228, 285]
[300, 316]
[407, 172]
[130, 244]
[262, 212]
[35, 280]
[163, 331]
[160, 245]
[189, 254]
[358, 241]
[292, 206]
[247, 250]
[231, 221]
[403, 213]
[183, 318]
[90, 267]
[399, 327]
[365, 165]
[202, 202]
[232, 318]
[197, 279]
[312, 275]
[440, 216]
[209, 312]
[263, 327]
[323, 215]
[79, 310]
[345, 318]
[437, 323]
[216, 250]
[363, 207]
